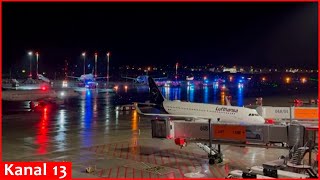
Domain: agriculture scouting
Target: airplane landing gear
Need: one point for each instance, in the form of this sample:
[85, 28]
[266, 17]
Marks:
[211, 161]
[216, 158]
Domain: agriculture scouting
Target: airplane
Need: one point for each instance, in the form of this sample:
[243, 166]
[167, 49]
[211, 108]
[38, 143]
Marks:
[38, 97]
[143, 79]
[200, 111]
[41, 77]
[29, 83]
[87, 77]
[190, 78]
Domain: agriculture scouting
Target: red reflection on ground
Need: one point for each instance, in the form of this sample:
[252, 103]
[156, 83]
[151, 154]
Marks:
[133, 148]
[42, 138]
[226, 168]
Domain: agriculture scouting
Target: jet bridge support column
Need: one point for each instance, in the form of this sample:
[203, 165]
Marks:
[210, 140]
[217, 156]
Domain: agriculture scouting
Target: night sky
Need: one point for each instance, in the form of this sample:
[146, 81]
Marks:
[260, 34]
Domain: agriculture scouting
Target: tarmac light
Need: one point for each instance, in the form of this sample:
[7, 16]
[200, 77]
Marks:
[64, 84]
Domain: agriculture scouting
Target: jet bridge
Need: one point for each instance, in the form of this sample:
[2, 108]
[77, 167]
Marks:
[203, 131]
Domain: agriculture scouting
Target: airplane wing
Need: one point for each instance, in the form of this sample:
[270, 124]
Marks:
[146, 103]
[129, 78]
[74, 77]
[101, 78]
[161, 78]
[183, 116]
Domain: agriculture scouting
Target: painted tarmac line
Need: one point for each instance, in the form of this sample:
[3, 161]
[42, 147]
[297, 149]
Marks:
[125, 172]
[127, 152]
[109, 145]
[186, 167]
[196, 160]
[154, 156]
[133, 172]
[102, 150]
[173, 175]
[212, 172]
[162, 161]
[121, 150]
[101, 172]
[178, 167]
[237, 162]
[148, 159]
[175, 158]
[191, 161]
[118, 172]
[220, 172]
[226, 169]
[114, 151]
[169, 156]
[140, 153]
[109, 173]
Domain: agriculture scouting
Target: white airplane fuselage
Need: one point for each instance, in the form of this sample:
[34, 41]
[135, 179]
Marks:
[228, 114]
[87, 77]
[27, 95]
[142, 79]
[37, 94]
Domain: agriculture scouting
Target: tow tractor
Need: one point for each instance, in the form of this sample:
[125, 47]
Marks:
[44, 105]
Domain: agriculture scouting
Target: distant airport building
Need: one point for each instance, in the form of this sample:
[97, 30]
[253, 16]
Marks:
[231, 70]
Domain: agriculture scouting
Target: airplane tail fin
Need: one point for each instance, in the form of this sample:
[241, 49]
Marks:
[155, 94]
[227, 101]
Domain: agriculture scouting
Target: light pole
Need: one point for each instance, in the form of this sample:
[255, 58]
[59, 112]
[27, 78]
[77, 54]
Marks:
[30, 55]
[95, 66]
[148, 69]
[84, 62]
[176, 71]
[108, 59]
[37, 55]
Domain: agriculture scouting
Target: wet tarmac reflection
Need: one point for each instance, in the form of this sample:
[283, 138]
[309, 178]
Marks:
[42, 136]
[92, 118]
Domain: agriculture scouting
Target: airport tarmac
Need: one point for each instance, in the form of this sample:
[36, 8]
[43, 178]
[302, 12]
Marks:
[88, 131]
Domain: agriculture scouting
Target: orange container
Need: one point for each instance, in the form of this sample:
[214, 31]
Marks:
[233, 132]
[306, 113]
